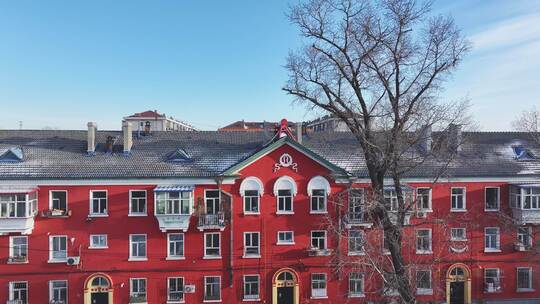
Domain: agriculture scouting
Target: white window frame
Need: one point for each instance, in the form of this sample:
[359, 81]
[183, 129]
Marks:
[206, 256]
[169, 242]
[93, 246]
[530, 287]
[249, 199]
[145, 212]
[215, 201]
[454, 238]
[430, 205]
[12, 247]
[325, 239]
[498, 199]
[497, 288]
[325, 199]
[247, 237]
[424, 291]
[131, 243]
[181, 291]
[319, 293]
[356, 294]
[52, 259]
[166, 200]
[452, 195]
[362, 238]
[251, 297]
[133, 293]
[280, 242]
[292, 187]
[278, 197]
[430, 241]
[104, 214]
[528, 234]
[51, 199]
[12, 291]
[497, 239]
[52, 290]
[205, 300]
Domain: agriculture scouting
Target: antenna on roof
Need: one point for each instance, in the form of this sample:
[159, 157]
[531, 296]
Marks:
[20, 124]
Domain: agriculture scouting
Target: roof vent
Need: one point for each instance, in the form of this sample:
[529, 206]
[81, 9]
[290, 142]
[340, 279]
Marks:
[522, 153]
[179, 155]
[12, 155]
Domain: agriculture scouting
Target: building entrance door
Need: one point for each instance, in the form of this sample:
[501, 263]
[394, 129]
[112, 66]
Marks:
[457, 293]
[285, 295]
[100, 298]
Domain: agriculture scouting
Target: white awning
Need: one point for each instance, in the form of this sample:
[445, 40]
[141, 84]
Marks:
[17, 189]
[174, 188]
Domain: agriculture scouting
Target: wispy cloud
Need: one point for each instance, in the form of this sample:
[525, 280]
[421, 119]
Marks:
[508, 33]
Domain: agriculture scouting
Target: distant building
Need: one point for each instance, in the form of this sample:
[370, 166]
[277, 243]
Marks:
[326, 123]
[253, 126]
[157, 122]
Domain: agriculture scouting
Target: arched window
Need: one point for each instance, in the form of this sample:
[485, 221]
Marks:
[318, 190]
[100, 281]
[285, 189]
[285, 276]
[251, 190]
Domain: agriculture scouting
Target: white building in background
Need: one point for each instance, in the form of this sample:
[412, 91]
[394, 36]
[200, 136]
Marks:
[153, 121]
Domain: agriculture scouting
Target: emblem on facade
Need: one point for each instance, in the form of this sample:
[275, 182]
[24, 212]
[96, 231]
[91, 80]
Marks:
[286, 161]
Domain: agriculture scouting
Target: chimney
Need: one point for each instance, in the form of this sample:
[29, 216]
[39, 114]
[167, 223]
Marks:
[128, 137]
[425, 139]
[109, 144]
[92, 128]
[454, 137]
[299, 132]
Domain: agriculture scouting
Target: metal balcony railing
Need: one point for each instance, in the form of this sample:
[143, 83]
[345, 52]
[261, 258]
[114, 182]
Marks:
[211, 221]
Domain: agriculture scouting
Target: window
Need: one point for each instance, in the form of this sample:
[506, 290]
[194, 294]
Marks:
[137, 290]
[423, 282]
[285, 238]
[13, 205]
[58, 292]
[524, 278]
[285, 200]
[137, 204]
[251, 287]
[458, 234]
[58, 201]
[492, 280]
[356, 284]
[137, 247]
[173, 203]
[492, 198]
[423, 199]
[175, 289]
[318, 285]
[98, 241]
[18, 249]
[391, 199]
[251, 202]
[318, 240]
[284, 190]
[356, 206]
[356, 242]
[176, 245]
[251, 244]
[423, 241]
[18, 292]
[458, 199]
[531, 198]
[211, 198]
[491, 239]
[524, 236]
[212, 288]
[57, 248]
[318, 201]
[211, 245]
[98, 203]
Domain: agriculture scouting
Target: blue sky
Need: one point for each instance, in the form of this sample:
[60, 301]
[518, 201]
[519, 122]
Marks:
[63, 63]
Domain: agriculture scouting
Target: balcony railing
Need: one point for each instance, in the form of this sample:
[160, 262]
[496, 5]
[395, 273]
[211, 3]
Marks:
[356, 219]
[211, 221]
[313, 251]
[526, 216]
[15, 302]
[17, 259]
[56, 213]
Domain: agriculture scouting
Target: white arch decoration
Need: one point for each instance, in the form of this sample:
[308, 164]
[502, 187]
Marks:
[285, 183]
[318, 182]
[251, 183]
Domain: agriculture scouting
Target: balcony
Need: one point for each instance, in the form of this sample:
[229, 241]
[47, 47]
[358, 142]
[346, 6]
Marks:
[314, 252]
[521, 247]
[526, 216]
[17, 212]
[56, 213]
[211, 221]
[352, 219]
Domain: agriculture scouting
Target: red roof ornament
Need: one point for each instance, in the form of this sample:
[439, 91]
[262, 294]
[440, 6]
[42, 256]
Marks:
[284, 130]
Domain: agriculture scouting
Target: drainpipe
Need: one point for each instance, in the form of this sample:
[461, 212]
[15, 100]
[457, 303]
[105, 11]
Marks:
[219, 181]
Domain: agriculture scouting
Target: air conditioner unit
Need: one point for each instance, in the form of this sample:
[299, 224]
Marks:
[421, 214]
[73, 260]
[189, 288]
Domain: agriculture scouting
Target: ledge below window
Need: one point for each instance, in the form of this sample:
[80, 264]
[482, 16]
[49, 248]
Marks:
[137, 259]
[210, 257]
[57, 261]
[525, 290]
[251, 300]
[424, 292]
[357, 295]
[178, 258]
[251, 257]
[285, 213]
[487, 250]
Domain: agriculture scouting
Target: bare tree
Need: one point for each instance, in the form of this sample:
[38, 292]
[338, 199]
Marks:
[529, 121]
[379, 66]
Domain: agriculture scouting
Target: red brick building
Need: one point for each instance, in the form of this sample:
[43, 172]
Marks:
[231, 217]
